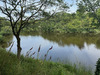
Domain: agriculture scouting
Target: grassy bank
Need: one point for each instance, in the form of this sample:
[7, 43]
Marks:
[10, 65]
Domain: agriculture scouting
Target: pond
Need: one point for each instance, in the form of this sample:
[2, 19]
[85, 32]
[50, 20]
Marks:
[79, 49]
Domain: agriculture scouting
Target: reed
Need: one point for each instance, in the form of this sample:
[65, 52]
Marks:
[28, 52]
[45, 56]
[38, 52]
[11, 47]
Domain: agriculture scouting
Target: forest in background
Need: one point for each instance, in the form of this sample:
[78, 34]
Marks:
[62, 22]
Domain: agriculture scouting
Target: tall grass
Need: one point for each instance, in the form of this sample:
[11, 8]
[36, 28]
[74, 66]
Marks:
[10, 65]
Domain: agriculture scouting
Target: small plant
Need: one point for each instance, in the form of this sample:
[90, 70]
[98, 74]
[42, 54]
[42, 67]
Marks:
[97, 72]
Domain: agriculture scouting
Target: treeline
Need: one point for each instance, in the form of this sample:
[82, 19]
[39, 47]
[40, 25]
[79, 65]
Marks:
[62, 22]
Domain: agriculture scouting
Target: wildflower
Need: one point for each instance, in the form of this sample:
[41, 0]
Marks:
[51, 48]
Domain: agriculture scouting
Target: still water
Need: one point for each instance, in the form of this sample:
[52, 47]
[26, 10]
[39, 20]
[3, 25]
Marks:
[76, 49]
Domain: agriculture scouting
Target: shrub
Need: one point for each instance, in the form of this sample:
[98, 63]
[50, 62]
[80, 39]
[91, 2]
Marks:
[97, 72]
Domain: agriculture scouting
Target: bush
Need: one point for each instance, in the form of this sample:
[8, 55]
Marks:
[97, 72]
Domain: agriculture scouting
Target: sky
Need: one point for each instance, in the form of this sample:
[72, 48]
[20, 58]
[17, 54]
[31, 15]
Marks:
[74, 7]
[71, 10]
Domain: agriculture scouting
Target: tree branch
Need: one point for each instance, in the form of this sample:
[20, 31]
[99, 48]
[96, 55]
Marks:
[14, 8]
[27, 19]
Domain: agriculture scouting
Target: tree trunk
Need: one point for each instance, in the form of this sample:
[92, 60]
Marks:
[18, 47]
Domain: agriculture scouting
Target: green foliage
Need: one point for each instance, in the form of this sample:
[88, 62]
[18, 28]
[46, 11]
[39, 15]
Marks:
[98, 12]
[4, 29]
[1, 38]
[97, 72]
[90, 6]
[63, 22]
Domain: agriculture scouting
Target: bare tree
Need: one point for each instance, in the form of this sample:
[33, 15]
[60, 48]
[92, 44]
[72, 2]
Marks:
[21, 11]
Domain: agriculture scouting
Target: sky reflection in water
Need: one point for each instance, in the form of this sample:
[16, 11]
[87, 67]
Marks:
[78, 51]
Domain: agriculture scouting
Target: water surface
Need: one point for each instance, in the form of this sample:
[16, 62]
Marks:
[78, 48]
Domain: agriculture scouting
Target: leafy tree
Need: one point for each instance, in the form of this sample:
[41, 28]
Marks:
[19, 13]
[91, 6]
